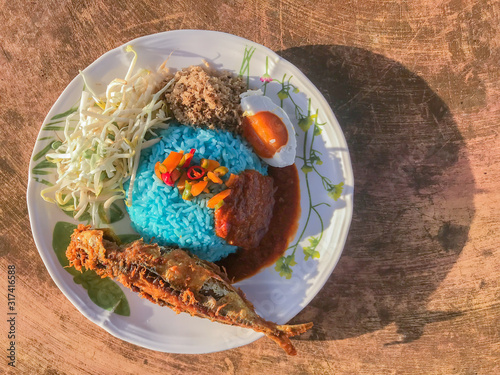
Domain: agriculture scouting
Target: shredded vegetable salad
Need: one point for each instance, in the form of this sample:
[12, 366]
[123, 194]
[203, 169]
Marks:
[102, 142]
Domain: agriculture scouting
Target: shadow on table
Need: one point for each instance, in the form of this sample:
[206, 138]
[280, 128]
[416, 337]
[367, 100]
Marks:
[411, 216]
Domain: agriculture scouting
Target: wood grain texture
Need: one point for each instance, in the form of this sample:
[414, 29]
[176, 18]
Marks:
[415, 88]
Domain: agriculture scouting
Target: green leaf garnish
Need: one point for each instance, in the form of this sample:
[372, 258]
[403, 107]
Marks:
[128, 238]
[103, 292]
[60, 241]
[114, 214]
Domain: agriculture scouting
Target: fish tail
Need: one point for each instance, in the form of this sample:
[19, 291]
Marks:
[282, 333]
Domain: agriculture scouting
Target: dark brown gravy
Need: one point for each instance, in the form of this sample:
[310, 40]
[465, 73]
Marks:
[284, 223]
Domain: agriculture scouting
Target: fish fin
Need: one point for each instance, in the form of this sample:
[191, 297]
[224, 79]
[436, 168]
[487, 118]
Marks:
[294, 330]
[281, 335]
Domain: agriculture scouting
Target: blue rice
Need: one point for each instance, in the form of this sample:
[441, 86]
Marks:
[158, 211]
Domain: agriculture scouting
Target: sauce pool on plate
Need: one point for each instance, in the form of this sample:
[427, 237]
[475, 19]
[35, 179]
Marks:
[284, 223]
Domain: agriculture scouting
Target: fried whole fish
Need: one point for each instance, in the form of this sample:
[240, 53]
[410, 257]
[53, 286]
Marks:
[173, 277]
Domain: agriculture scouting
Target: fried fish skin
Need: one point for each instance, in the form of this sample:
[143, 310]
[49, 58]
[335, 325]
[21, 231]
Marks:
[173, 277]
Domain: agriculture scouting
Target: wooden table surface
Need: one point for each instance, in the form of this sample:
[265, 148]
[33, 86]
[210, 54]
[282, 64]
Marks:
[415, 87]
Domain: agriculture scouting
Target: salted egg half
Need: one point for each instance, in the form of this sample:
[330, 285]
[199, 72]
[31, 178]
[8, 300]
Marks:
[267, 127]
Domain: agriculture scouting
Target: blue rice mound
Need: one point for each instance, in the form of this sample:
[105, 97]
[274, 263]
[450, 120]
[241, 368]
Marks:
[158, 211]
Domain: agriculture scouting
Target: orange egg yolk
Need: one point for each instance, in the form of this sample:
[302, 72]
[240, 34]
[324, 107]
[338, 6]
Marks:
[266, 132]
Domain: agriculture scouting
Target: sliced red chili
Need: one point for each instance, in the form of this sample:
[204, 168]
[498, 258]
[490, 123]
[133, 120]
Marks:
[167, 179]
[196, 172]
[186, 159]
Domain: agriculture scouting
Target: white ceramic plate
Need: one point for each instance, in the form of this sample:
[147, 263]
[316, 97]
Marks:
[324, 222]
